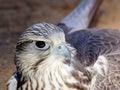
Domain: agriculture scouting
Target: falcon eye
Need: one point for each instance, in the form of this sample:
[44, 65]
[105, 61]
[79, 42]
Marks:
[40, 44]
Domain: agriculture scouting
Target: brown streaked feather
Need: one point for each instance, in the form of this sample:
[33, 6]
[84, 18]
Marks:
[112, 79]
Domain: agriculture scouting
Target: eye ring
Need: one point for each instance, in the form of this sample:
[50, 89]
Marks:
[42, 45]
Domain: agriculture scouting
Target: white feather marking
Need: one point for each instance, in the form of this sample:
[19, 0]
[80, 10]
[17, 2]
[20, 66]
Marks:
[101, 65]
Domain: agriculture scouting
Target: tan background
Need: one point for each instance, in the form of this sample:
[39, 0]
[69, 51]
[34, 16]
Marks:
[16, 15]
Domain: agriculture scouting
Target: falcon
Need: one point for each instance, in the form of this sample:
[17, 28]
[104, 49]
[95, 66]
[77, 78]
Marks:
[64, 57]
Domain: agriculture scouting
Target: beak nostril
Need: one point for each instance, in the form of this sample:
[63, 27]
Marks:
[59, 47]
[62, 50]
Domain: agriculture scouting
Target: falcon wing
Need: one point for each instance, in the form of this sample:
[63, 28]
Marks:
[12, 82]
[81, 17]
[93, 43]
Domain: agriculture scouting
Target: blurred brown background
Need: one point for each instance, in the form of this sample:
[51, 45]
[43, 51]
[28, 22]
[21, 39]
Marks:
[17, 15]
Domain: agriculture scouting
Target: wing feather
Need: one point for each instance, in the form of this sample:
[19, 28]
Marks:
[80, 18]
[91, 43]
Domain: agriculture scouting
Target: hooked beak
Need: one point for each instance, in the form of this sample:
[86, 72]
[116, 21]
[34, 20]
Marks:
[62, 51]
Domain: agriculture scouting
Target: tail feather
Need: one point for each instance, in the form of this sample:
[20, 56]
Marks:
[82, 15]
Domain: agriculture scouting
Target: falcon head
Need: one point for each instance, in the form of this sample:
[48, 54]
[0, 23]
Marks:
[42, 46]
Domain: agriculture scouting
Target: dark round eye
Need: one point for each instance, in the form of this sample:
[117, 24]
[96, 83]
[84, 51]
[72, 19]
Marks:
[40, 44]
